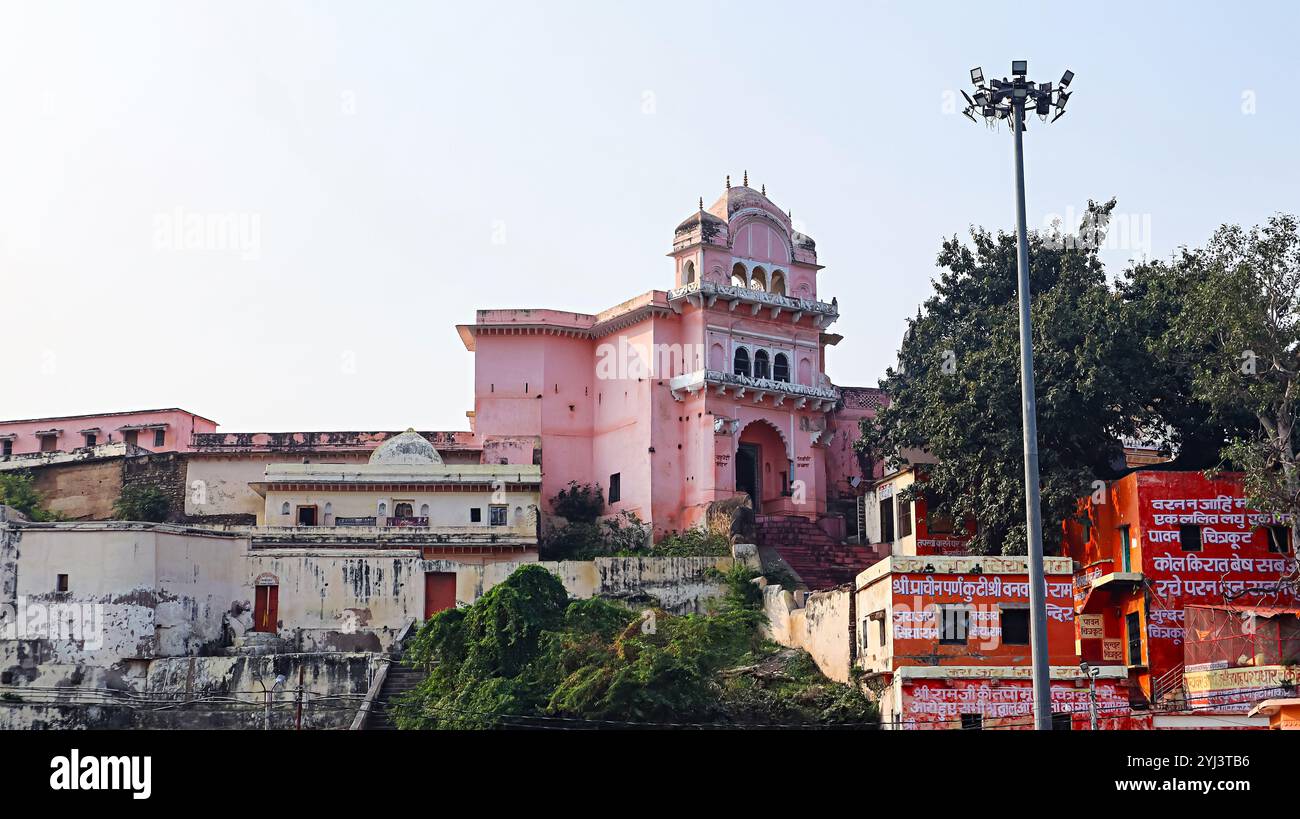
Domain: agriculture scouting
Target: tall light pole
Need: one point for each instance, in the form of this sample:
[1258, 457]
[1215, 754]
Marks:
[1011, 99]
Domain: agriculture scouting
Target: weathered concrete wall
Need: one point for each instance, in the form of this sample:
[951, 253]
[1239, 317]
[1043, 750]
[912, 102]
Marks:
[206, 692]
[133, 593]
[145, 592]
[164, 472]
[679, 585]
[819, 624]
[83, 490]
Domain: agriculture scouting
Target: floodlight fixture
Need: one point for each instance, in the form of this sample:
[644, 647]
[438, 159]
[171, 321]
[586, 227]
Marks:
[1066, 78]
[977, 76]
[1019, 68]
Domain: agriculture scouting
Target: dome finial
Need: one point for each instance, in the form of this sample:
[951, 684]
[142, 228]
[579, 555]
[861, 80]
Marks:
[701, 203]
[765, 190]
[728, 180]
[746, 179]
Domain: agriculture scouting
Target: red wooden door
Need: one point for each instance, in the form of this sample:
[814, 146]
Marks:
[439, 592]
[266, 608]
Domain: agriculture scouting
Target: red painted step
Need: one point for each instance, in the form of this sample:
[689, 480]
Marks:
[820, 560]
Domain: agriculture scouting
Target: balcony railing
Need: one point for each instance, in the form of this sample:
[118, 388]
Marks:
[406, 521]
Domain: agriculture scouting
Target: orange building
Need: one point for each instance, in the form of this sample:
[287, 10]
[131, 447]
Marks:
[1156, 542]
[946, 641]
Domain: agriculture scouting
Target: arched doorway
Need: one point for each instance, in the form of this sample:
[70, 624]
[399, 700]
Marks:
[762, 464]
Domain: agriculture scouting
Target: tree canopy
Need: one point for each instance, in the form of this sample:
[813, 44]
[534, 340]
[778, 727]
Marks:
[1103, 370]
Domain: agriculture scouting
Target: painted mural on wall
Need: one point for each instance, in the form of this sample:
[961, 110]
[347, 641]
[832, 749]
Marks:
[1201, 543]
[1004, 703]
[922, 601]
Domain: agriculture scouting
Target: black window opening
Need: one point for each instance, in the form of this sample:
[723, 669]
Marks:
[90, 439]
[1133, 625]
[1015, 626]
[475, 515]
[306, 515]
[615, 487]
[8, 447]
[1062, 721]
[1279, 539]
[761, 369]
[972, 722]
[741, 362]
[61, 583]
[159, 436]
[887, 520]
[954, 625]
[904, 517]
[781, 368]
[499, 515]
[1189, 537]
[131, 437]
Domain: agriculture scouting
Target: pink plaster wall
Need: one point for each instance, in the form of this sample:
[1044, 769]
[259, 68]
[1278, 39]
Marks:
[181, 426]
[537, 374]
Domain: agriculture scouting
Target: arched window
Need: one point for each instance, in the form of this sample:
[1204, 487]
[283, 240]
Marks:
[761, 365]
[402, 510]
[424, 510]
[383, 509]
[778, 282]
[742, 362]
[781, 368]
[759, 280]
[284, 508]
[688, 273]
[739, 277]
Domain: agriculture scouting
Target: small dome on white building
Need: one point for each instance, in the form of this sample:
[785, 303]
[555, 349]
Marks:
[409, 449]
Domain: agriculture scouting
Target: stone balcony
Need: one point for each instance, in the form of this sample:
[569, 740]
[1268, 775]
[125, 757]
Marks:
[707, 294]
[758, 389]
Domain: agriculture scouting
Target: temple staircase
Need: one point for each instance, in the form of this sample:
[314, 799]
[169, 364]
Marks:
[819, 560]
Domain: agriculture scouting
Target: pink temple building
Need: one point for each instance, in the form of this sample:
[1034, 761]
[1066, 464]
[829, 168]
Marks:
[160, 430]
[680, 398]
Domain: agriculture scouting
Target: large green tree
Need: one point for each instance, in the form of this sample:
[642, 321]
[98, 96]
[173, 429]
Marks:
[955, 393]
[1238, 334]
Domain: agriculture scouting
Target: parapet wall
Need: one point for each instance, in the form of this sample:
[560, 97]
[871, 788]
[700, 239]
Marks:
[819, 623]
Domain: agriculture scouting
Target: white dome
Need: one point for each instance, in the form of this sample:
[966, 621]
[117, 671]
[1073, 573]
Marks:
[409, 448]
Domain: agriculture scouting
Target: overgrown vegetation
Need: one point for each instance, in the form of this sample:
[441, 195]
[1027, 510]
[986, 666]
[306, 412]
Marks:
[579, 503]
[18, 490]
[585, 536]
[696, 542]
[524, 655]
[141, 503]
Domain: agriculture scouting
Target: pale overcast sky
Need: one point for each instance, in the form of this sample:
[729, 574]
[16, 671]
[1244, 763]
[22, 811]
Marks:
[391, 167]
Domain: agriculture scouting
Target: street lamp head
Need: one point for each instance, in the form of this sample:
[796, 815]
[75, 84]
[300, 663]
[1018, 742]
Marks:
[1010, 99]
